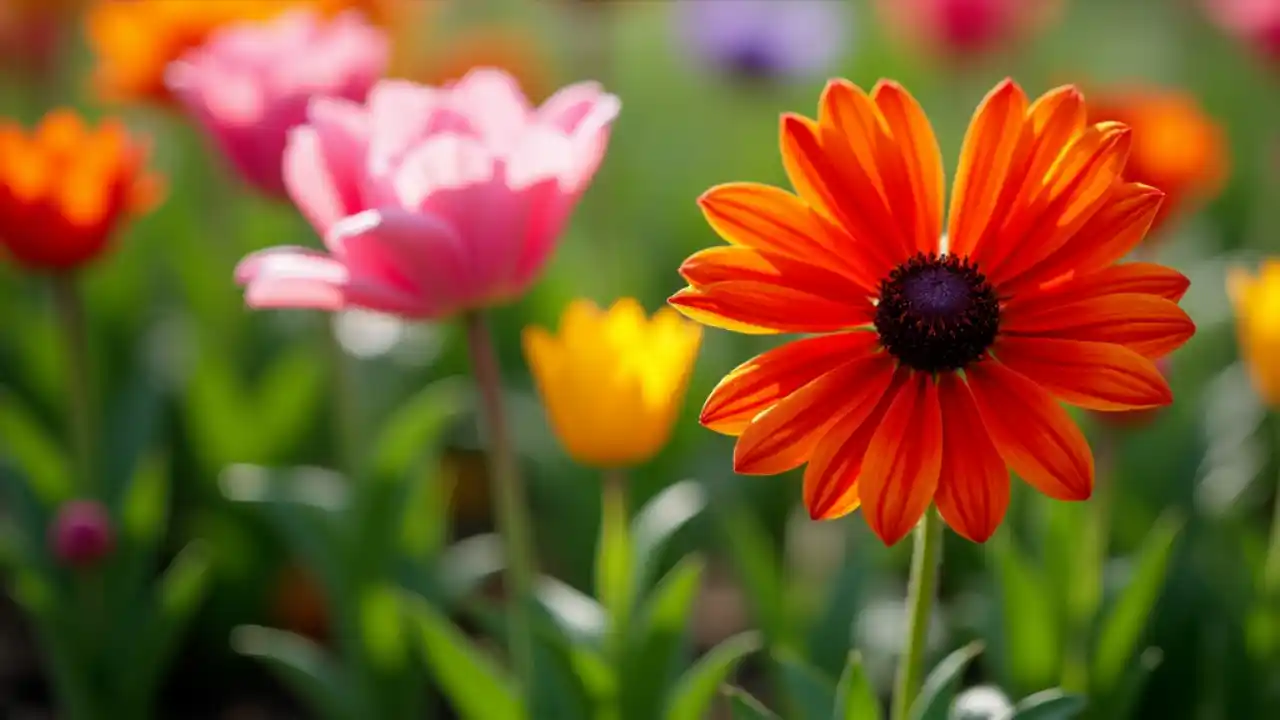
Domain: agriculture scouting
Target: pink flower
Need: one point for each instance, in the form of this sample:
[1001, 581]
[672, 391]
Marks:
[250, 83]
[1257, 22]
[431, 200]
[81, 533]
[964, 27]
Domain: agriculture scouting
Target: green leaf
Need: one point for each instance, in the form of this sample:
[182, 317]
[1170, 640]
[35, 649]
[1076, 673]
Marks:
[287, 401]
[577, 615]
[810, 694]
[412, 433]
[41, 458]
[613, 554]
[657, 640]
[178, 594]
[758, 563]
[477, 689]
[1032, 632]
[658, 521]
[934, 701]
[1052, 704]
[1125, 624]
[131, 432]
[855, 697]
[303, 666]
[744, 707]
[694, 692]
[382, 628]
[144, 507]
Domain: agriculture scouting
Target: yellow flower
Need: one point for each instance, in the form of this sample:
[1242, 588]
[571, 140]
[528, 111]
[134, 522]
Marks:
[613, 381]
[1257, 305]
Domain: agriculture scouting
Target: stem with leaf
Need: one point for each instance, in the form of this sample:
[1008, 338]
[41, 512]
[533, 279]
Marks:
[921, 590]
[508, 493]
[71, 321]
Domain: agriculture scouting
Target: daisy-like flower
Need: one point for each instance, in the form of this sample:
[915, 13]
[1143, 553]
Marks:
[938, 361]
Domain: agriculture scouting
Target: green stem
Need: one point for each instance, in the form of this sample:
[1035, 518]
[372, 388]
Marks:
[510, 506]
[614, 591]
[75, 334]
[921, 590]
[1271, 569]
[346, 408]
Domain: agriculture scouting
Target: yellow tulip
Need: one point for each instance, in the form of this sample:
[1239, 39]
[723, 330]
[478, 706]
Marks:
[613, 381]
[1256, 299]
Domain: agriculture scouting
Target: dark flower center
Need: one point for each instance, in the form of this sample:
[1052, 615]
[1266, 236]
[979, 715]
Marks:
[937, 313]
[752, 59]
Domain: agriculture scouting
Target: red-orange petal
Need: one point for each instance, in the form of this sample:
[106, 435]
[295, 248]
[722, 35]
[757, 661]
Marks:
[914, 138]
[1137, 277]
[761, 382]
[731, 263]
[1035, 436]
[985, 159]
[1149, 325]
[1110, 234]
[973, 487]
[759, 307]
[773, 220]
[900, 472]
[826, 173]
[1077, 186]
[831, 477]
[783, 437]
[1093, 375]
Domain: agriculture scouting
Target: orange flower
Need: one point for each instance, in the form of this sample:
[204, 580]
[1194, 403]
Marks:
[135, 40]
[65, 188]
[1176, 146]
[506, 49]
[938, 361]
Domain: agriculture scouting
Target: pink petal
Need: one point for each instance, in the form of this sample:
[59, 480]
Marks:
[420, 253]
[569, 105]
[323, 168]
[497, 108]
[292, 277]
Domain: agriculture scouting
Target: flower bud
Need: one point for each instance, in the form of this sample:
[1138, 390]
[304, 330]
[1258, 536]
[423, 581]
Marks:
[82, 533]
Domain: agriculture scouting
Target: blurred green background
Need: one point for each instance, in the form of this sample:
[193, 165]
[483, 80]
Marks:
[193, 386]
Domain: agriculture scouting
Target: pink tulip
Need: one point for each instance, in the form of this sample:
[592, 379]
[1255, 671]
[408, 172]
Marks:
[1256, 22]
[431, 200]
[250, 83]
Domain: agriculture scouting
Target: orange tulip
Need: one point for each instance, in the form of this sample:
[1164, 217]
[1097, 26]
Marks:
[66, 188]
[1177, 147]
[135, 40]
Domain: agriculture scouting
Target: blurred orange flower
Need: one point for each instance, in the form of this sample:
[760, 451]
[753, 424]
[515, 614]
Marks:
[135, 40]
[497, 47]
[66, 187]
[1177, 147]
[298, 603]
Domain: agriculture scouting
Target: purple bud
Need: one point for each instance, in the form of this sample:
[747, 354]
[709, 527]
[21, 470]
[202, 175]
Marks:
[82, 533]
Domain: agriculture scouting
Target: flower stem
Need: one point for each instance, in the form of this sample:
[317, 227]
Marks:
[1271, 569]
[922, 587]
[508, 495]
[69, 307]
[346, 409]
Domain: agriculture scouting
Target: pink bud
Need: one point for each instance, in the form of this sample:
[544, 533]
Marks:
[82, 533]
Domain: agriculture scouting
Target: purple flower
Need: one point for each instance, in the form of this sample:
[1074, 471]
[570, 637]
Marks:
[765, 38]
[82, 533]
